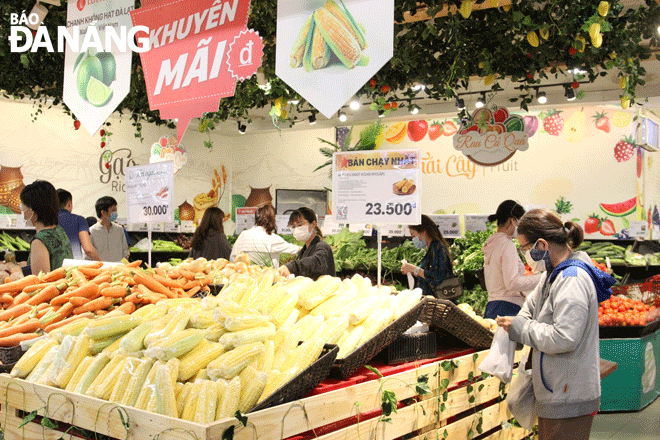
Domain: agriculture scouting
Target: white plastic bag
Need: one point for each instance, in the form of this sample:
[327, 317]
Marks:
[520, 398]
[499, 360]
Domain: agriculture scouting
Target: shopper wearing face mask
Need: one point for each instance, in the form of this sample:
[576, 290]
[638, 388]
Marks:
[50, 244]
[506, 282]
[108, 237]
[315, 258]
[559, 321]
[436, 265]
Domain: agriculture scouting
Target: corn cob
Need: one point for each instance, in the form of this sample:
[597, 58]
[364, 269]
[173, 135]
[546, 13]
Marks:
[253, 383]
[105, 328]
[362, 308]
[229, 400]
[308, 325]
[230, 364]
[333, 329]
[182, 397]
[148, 388]
[215, 332]
[317, 52]
[244, 322]
[134, 340]
[92, 373]
[199, 358]
[109, 345]
[248, 295]
[298, 50]
[165, 398]
[174, 365]
[344, 335]
[323, 289]
[340, 39]
[202, 320]
[243, 337]
[201, 374]
[406, 301]
[150, 312]
[176, 344]
[76, 355]
[207, 404]
[73, 328]
[221, 314]
[31, 358]
[275, 381]
[127, 372]
[289, 343]
[103, 381]
[137, 381]
[269, 301]
[83, 366]
[265, 362]
[283, 309]
[333, 305]
[345, 17]
[177, 389]
[59, 362]
[351, 342]
[378, 320]
[44, 378]
[292, 319]
[190, 405]
[42, 366]
[174, 322]
[304, 355]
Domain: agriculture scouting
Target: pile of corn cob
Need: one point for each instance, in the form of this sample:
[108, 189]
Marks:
[329, 28]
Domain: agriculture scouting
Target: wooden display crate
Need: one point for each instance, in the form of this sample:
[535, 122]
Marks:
[349, 413]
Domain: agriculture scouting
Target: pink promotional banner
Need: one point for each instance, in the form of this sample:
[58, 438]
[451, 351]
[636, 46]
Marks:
[198, 51]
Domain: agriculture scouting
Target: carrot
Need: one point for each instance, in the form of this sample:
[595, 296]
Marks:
[43, 312]
[65, 310]
[14, 312]
[104, 285]
[46, 295]
[193, 291]
[102, 278]
[55, 325]
[76, 277]
[187, 274]
[94, 265]
[154, 285]
[13, 340]
[133, 297]
[102, 313]
[87, 290]
[55, 275]
[90, 272]
[35, 287]
[78, 301]
[114, 291]
[19, 285]
[7, 280]
[127, 307]
[190, 284]
[25, 317]
[94, 305]
[166, 281]
[21, 298]
[30, 326]
[135, 263]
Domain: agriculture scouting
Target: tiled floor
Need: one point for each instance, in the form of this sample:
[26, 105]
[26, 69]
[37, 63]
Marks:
[642, 425]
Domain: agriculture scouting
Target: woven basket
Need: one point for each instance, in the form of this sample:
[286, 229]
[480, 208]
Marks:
[409, 348]
[445, 315]
[305, 382]
[10, 355]
[344, 368]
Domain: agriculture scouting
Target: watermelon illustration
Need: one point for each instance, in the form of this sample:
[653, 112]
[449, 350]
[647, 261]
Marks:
[622, 209]
[237, 201]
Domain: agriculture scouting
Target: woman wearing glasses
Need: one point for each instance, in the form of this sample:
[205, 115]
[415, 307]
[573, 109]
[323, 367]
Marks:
[506, 282]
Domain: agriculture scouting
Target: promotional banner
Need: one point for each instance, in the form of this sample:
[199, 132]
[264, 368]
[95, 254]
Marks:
[149, 190]
[377, 187]
[198, 50]
[338, 44]
[98, 79]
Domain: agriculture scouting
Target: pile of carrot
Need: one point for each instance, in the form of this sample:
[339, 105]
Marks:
[37, 304]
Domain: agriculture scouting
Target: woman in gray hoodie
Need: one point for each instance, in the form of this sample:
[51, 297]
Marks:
[559, 321]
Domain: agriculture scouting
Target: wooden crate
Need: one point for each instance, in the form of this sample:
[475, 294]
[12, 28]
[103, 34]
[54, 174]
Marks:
[348, 413]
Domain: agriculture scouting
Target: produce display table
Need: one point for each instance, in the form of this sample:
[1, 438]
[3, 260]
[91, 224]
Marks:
[458, 403]
[636, 381]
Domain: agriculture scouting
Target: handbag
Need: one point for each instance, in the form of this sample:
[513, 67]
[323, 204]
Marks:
[520, 398]
[450, 288]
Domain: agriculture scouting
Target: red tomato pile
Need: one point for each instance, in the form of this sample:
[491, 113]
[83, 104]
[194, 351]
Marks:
[618, 311]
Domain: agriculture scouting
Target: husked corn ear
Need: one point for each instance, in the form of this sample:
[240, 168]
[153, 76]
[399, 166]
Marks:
[253, 383]
[31, 358]
[78, 352]
[242, 337]
[134, 340]
[248, 294]
[79, 373]
[176, 344]
[73, 328]
[215, 332]
[165, 398]
[229, 400]
[182, 397]
[59, 362]
[136, 382]
[320, 291]
[344, 16]
[333, 305]
[349, 344]
[341, 40]
[333, 329]
[406, 301]
[265, 362]
[378, 320]
[91, 373]
[190, 405]
[203, 354]
[207, 404]
[105, 328]
[150, 312]
[288, 344]
[202, 320]
[109, 345]
[298, 49]
[275, 381]
[292, 319]
[178, 387]
[174, 365]
[123, 379]
[201, 374]
[221, 314]
[362, 308]
[308, 325]
[304, 355]
[44, 378]
[42, 366]
[174, 322]
[230, 364]
[271, 299]
[148, 388]
[244, 322]
[283, 309]
[265, 281]
[104, 380]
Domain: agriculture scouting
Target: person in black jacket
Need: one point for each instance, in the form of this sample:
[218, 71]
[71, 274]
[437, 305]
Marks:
[209, 240]
[315, 258]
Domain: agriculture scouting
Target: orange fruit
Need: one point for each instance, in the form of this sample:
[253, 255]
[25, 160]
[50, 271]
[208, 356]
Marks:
[396, 133]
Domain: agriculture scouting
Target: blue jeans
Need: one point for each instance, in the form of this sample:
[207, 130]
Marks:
[501, 308]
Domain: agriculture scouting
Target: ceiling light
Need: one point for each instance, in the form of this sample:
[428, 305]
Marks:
[569, 93]
[342, 116]
[355, 104]
[312, 118]
[659, 29]
[541, 98]
[577, 71]
[241, 128]
[414, 110]
[294, 102]
[418, 87]
[460, 103]
[381, 113]
[481, 101]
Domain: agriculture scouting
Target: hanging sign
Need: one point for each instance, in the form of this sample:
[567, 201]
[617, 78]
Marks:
[638, 229]
[198, 51]
[377, 187]
[149, 190]
[491, 136]
[338, 42]
[98, 78]
[449, 224]
[476, 222]
[282, 222]
[244, 218]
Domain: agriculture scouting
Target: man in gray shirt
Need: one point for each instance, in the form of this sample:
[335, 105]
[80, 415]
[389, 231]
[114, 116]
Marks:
[108, 237]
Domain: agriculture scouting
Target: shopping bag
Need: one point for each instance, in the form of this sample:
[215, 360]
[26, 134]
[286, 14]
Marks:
[520, 398]
[499, 360]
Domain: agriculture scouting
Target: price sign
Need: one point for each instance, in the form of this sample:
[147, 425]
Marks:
[329, 227]
[476, 222]
[366, 230]
[377, 187]
[5, 222]
[171, 227]
[449, 224]
[187, 226]
[394, 230]
[149, 190]
[282, 222]
[244, 218]
[638, 229]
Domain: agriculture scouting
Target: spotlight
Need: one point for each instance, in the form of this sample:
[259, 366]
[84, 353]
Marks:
[414, 110]
[312, 119]
[342, 116]
[355, 104]
[241, 128]
[294, 101]
[481, 101]
[381, 113]
[460, 103]
[569, 93]
[541, 98]
[659, 29]
[418, 87]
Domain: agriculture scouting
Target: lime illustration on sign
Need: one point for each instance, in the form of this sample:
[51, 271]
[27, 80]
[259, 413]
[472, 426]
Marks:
[95, 75]
[149, 190]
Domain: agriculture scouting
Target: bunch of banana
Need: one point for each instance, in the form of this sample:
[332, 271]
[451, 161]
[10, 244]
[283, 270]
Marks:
[330, 28]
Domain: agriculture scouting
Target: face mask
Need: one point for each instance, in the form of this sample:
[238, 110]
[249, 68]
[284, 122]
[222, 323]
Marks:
[113, 216]
[302, 233]
[28, 222]
[515, 228]
[538, 260]
[419, 244]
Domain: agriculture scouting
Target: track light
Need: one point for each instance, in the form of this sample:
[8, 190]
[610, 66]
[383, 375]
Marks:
[294, 101]
[355, 104]
[241, 128]
[414, 110]
[342, 116]
[541, 98]
[381, 113]
[460, 103]
[569, 93]
[312, 118]
[481, 101]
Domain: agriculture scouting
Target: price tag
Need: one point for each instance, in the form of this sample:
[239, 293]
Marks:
[187, 226]
[122, 221]
[140, 227]
[377, 187]
[329, 227]
[394, 230]
[19, 223]
[244, 219]
[366, 229]
[171, 227]
[449, 224]
[638, 229]
[282, 222]
[5, 222]
[655, 233]
[476, 222]
[149, 190]
[158, 227]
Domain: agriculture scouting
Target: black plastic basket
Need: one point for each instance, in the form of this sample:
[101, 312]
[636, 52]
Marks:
[628, 332]
[10, 355]
[445, 315]
[344, 368]
[215, 288]
[409, 348]
[305, 382]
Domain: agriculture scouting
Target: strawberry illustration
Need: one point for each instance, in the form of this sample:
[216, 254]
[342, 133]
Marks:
[607, 227]
[624, 150]
[591, 224]
[553, 123]
[449, 128]
[76, 124]
[602, 122]
[435, 130]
